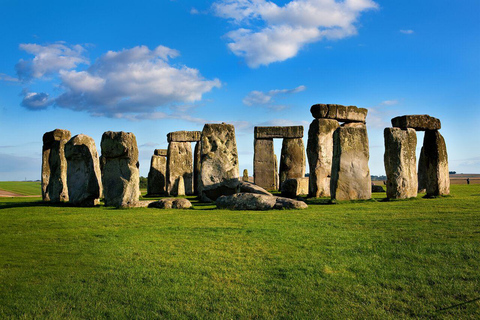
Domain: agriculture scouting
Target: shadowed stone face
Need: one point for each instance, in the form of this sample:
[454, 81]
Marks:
[83, 171]
[157, 174]
[196, 167]
[400, 163]
[292, 188]
[421, 122]
[350, 173]
[54, 166]
[179, 165]
[120, 176]
[264, 166]
[422, 173]
[436, 164]
[292, 160]
[320, 154]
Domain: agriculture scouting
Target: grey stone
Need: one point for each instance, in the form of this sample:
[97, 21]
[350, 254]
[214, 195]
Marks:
[292, 160]
[419, 122]
[264, 163]
[219, 161]
[184, 136]
[179, 164]
[422, 173]
[157, 175]
[120, 175]
[436, 163]
[292, 188]
[339, 112]
[320, 154]
[350, 173]
[376, 188]
[400, 163]
[54, 166]
[252, 201]
[285, 203]
[84, 178]
[277, 175]
[248, 187]
[245, 175]
[171, 203]
[196, 167]
[160, 152]
[278, 132]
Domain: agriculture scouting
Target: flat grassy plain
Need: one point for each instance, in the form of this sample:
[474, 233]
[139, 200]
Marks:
[24, 188]
[375, 259]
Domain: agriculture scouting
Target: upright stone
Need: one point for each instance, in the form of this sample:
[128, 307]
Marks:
[277, 175]
[245, 175]
[400, 163]
[84, 178]
[158, 172]
[120, 176]
[219, 172]
[320, 154]
[179, 164]
[196, 167]
[54, 166]
[264, 164]
[350, 173]
[292, 159]
[436, 163]
[422, 173]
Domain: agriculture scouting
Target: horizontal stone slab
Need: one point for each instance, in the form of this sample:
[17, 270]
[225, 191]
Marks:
[184, 136]
[339, 112]
[419, 122]
[160, 152]
[278, 132]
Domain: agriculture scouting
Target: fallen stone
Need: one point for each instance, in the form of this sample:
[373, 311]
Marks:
[264, 164]
[292, 160]
[179, 164]
[278, 132]
[54, 166]
[184, 136]
[350, 173]
[436, 163]
[285, 203]
[400, 163]
[292, 188]
[376, 188]
[219, 161]
[339, 112]
[158, 173]
[421, 122]
[320, 154]
[171, 203]
[84, 178]
[252, 201]
[120, 176]
[248, 187]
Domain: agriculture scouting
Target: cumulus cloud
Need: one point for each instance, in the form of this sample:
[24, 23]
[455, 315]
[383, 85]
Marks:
[259, 98]
[35, 100]
[269, 33]
[49, 59]
[407, 31]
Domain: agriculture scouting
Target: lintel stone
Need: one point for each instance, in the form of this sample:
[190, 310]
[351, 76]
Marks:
[339, 112]
[278, 132]
[419, 122]
[184, 136]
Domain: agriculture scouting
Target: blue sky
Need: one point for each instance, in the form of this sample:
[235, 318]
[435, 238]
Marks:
[152, 67]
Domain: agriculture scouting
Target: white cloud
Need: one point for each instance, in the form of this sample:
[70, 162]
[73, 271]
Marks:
[407, 31]
[49, 59]
[194, 11]
[271, 33]
[259, 98]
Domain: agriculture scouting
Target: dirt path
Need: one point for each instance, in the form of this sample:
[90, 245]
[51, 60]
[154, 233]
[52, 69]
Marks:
[4, 193]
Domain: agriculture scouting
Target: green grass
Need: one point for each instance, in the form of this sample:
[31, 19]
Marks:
[416, 258]
[25, 188]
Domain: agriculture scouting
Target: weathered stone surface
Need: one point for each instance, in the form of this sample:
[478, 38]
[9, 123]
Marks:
[320, 154]
[248, 187]
[196, 167]
[184, 136]
[339, 112]
[84, 178]
[264, 164]
[422, 173]
[160, 152]
[292, 160]
[245, 175]
[419, 122]
[171, 203]
[179, 164]
[120, 176]
[277, 175]
[400, 163]
[292, 188]
[219, 161]
[157, 176]
[252, 201]
[436, 163]
[350, 173]
[278, 132]
[54, 166]
[376, 188]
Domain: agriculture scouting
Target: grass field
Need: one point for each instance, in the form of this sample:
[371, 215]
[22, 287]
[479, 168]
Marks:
[24, 188]
[373, 259]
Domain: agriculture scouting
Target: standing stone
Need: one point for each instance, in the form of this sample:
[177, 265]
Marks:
[84, 178]
[245, 175]
[292, 188]
[158, 172]
[54, 166]
[320, 154]
[350, 173]
[181, 187]
[120, 176]
[219, 172]
[422, 173]
[436, 160]
[264, 164]
[292, 159]
[179, 164]
[277, 176]
[196, 167]
[400, 163]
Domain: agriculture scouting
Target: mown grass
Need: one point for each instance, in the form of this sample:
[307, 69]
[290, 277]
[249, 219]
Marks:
[375, 259]
[24, 188]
